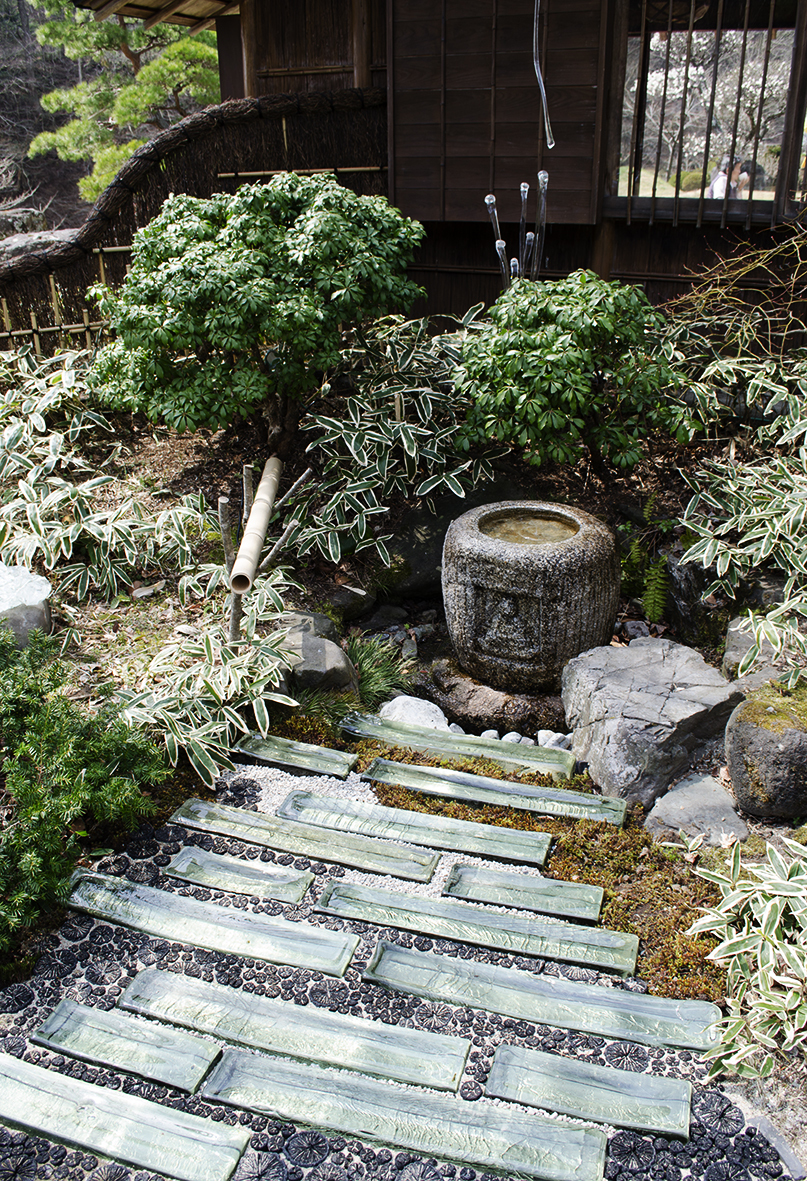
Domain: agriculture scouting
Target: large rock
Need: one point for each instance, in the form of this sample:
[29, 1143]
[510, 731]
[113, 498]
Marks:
[318, 663]
[639, 712]
[313, 622]
[477, 706]
[24, 602]
[352, 601]
[766, 754]
[414, 711]
[698, 806]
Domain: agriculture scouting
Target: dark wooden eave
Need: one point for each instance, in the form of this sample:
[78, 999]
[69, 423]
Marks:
[195, 15]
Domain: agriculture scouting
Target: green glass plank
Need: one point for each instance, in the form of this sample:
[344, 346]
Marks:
[479, 789]
[297, 756]
[114, 1039]
[308, 840]
[417, 828]
[311, 1034]
[545, 1000]
[125, 1128]
[511, 756]
[569, 900]
[239, 877]
[596, 948]
[444, 1126]
[204, 924]
[644, 1102]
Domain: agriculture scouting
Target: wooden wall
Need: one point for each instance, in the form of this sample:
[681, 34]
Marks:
[465, 114]
[303, 45]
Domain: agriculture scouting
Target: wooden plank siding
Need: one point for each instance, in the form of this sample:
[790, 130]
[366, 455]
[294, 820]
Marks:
[465, 115]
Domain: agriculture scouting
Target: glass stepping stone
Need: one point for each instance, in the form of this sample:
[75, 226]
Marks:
[595, 948]
[308, 840]
[570, 900]
[443, 1126]
[217, 928]
[297, 756]
[480, 789]
[545, 1000]
[417, 828]
[237, 876]
[511, 756]
[140, 1047]
[643, 1102]
[127, 1129]
[310, 1034]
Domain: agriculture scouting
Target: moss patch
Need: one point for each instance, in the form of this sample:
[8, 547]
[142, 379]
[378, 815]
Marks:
[650, 891]
[778, 709]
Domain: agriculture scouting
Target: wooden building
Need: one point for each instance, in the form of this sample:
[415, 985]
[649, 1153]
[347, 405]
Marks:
[644, 98]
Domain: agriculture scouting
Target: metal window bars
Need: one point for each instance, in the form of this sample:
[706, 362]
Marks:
[711, 82]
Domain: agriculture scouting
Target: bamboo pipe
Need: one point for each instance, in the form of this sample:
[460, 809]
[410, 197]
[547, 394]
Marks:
[246, 563]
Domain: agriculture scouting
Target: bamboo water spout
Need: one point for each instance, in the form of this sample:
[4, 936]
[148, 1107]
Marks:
[245, 567]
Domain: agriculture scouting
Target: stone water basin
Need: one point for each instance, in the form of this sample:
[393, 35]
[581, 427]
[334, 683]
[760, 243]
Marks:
[527, 585]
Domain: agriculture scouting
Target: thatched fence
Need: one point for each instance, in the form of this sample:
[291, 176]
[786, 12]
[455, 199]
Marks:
[43, 293]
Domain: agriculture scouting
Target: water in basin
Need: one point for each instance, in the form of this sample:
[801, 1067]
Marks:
[528, 528]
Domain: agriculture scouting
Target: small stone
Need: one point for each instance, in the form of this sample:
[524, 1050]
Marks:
[698, 805]
[318, 663]
[409, 649]
[525, 741]
[24, 603]
[386, 615]
[489, 734]
[554, 738]
[312, 622]
[455, 729]
[513, 736]
[414, 711]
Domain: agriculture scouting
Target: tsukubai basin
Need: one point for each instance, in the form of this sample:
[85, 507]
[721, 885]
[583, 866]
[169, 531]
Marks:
[526, 587]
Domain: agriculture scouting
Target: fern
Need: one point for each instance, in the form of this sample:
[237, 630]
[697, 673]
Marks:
[654, 599]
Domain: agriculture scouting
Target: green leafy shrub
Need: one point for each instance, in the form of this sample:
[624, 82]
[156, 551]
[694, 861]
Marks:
[567, 364]
[66, 774]
[761, 921]
[236, 302]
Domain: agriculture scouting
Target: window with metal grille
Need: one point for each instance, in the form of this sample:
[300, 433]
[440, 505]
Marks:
[713, 111]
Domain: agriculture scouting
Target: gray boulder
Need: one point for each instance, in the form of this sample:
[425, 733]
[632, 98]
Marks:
[414, 711]
[639, 712]
[698, 805]
[312, 622]
[318, 663]
[24, 602]
[766, 754]
[352, 601]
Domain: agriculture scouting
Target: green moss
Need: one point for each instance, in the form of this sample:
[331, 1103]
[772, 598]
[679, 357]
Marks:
[777, 709]
[800, 834]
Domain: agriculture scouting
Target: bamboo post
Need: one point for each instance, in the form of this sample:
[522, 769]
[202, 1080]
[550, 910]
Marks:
[35, 335]
[249, 490]
[87, 333]
[236, 602]
[246, 563]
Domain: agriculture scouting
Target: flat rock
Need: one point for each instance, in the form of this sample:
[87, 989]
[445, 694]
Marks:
[697, 805]
[318, 663]
[639, 712]
[23, 602]
[414, 711]
[352, 601]
[481, 708]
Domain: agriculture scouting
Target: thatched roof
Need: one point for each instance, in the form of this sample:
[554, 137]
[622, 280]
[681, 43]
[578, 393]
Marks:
[194, 14]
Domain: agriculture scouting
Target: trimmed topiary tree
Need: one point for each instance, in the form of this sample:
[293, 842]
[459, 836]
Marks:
[236, 304]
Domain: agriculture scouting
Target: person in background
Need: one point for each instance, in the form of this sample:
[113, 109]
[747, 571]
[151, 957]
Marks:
[729, 168]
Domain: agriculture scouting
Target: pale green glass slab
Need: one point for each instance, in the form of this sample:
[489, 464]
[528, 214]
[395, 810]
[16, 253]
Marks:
[237, 876]
[417, 828]
[115, 1039]
[297, 756]
[644, 1102]
[511, 756]
[125, 1128]
[596, 948]
[479, 789]
[204, 924]
[311, 1034]
[433, 1125]
[545, 1000]
[308, 840]
[569, 900]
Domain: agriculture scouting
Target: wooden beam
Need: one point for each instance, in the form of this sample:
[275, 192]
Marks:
[163, 13]
[209, 21]
[790, 159]
[109, 9]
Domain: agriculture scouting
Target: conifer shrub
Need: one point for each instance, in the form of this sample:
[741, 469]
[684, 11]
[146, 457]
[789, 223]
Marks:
[67, 775]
